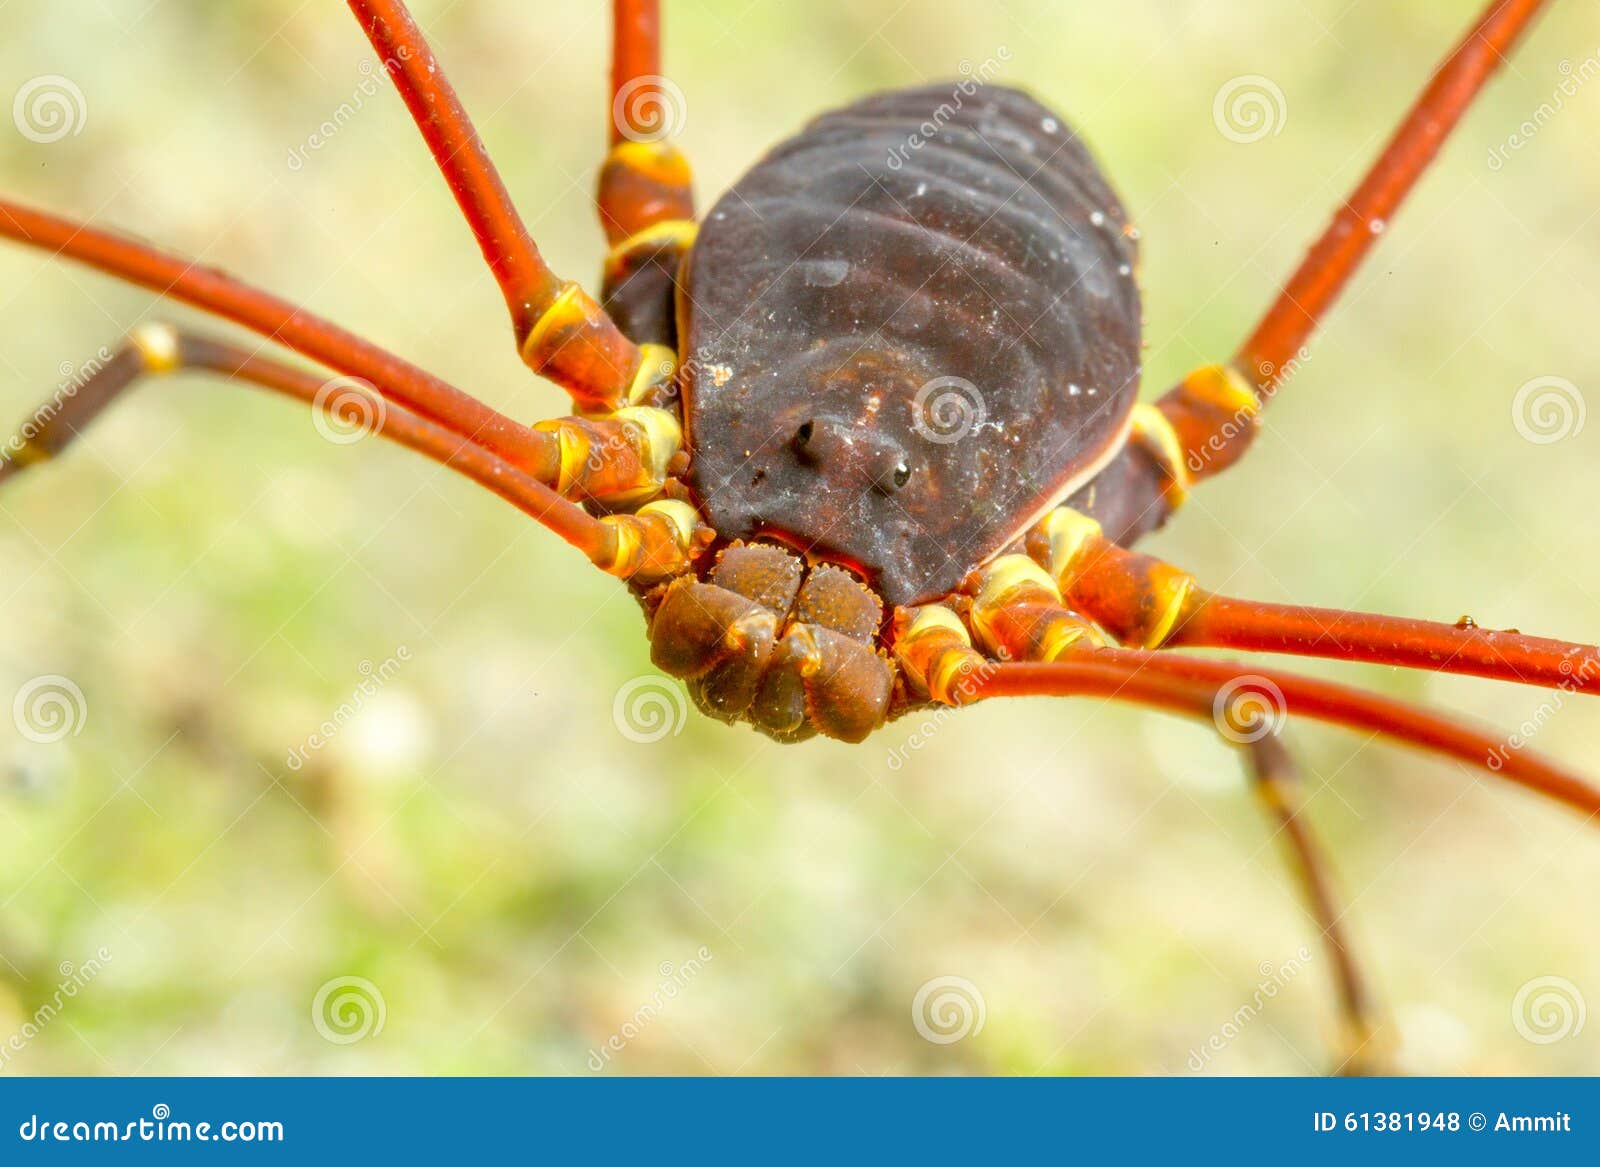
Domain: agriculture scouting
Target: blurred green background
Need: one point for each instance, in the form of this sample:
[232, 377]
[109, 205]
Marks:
[516, 880]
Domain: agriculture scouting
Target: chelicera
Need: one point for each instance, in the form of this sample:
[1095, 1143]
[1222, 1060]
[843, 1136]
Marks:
[867, 437]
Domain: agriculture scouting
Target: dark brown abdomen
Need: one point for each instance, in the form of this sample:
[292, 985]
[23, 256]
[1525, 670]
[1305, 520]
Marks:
[864, 261]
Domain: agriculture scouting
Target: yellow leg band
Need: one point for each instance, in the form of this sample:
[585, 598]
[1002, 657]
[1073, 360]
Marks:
[658, 365]
[1222, 386]
[1174, 589]
[676, 233]
[659, 161]
[1068, 534]
[157, 345]
[1153, 431]
[568, 303]
[1009, 621]
[937, 654]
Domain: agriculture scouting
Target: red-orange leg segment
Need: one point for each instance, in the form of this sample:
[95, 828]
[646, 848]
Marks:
[222, 295]
[158, 349]
[561, 332]
[635, 51]
[615, 460]
[935, 650]
[656, 542]
[1324, 272]
[1150, 604]
[645, 199]
[1227, 622]
[645, 180]
[1213, 421]
[1203, 688]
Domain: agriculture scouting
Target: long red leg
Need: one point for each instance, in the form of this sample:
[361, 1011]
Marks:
[1193, 686]
[561, 332]
[645, 199]
[1278, 786]
[1326, 269]
[1212, 411]
[645, 181]
[656, 542]
[616, 460]
[1226, 622]
[1143, 601]
[635, 68]
[161, 349]
[220, 294]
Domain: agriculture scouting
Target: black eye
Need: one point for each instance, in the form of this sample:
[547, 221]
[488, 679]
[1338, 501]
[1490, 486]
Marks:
[803, 434]
[902, 474]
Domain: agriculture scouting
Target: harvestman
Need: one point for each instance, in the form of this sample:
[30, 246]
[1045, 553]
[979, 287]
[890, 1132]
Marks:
[757, 449]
